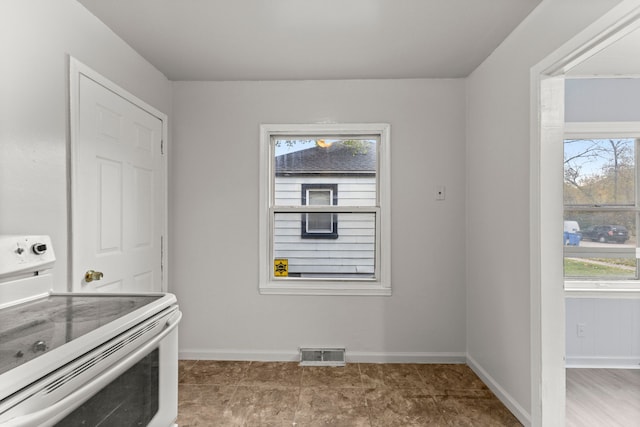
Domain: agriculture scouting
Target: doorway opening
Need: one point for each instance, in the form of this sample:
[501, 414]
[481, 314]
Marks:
[547, 134]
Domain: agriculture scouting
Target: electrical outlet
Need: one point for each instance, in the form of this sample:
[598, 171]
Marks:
[580, 329]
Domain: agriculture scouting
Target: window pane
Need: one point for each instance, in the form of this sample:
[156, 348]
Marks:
[601, 267]
[599, 172]
[319, 197]
[600, 229]
[350, 255]
[599, 245]
[348, 163]
[319, 222]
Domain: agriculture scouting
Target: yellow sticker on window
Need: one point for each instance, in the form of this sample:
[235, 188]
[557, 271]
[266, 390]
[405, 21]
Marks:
[280, 267]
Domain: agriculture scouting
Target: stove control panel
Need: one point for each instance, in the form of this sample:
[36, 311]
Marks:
[25, 255]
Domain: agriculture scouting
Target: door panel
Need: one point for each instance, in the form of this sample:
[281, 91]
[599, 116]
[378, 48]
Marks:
[143, 208]
[119, 195]
[109, 209]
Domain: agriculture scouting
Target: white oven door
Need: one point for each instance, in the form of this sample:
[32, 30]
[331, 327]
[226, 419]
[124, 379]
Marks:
[131, 380]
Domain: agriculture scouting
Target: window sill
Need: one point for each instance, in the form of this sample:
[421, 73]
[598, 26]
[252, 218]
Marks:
[324, 288]
[602, 289]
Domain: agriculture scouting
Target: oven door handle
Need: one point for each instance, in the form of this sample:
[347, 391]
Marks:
[54, 413]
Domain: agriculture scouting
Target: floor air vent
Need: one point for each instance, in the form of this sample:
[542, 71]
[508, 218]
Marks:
[322, 357]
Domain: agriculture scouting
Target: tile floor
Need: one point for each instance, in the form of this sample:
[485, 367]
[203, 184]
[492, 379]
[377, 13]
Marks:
[223, 393]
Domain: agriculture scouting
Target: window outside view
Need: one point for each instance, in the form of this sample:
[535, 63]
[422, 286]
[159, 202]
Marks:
[310, 236]
[600, 209]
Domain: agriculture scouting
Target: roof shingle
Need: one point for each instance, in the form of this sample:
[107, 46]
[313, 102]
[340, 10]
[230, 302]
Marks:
[337, 158]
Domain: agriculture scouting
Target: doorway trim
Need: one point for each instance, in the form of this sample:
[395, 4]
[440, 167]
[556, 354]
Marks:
[548, 391]
[77, 69]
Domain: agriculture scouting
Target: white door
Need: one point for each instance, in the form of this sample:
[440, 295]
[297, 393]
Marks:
[118, 193]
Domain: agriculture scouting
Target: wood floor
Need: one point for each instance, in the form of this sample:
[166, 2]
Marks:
[603, 397]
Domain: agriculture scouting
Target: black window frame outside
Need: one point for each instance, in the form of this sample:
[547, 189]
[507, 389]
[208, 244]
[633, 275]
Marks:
[304, 233]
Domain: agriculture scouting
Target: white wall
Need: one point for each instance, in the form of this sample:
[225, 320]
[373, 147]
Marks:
[611, 325]
[35, 38]
[611, 332]
[214, 221]
[498, 144]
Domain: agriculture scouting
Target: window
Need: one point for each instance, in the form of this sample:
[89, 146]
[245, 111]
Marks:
[319, 225]
[601, 206]
[324, 218]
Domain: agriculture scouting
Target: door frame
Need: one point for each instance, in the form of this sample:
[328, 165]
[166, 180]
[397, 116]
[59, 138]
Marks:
[77, 69]
[548, 388]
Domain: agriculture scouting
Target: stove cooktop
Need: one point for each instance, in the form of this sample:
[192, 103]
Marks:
[31, 329]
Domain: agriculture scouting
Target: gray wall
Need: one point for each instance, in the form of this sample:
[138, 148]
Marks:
[498, 160]
[214, 264]
[36, 37]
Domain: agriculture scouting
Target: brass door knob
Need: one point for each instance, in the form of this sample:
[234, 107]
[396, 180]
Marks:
[91, 275]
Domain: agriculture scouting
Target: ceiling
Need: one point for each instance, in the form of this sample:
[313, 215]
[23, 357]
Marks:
[312, 39]
[618, 59]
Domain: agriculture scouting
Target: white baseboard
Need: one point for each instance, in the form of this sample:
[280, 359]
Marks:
[521, 414]
[293, 356]
[602, 362]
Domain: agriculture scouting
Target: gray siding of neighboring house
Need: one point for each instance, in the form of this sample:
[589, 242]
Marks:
[353, 252]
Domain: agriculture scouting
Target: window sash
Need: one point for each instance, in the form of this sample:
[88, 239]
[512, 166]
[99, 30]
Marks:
[303, 210]
[352, 260]
[310, 136]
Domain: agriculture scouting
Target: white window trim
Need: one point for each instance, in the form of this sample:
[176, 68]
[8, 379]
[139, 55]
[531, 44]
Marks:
[603, 130]
[381, 285]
